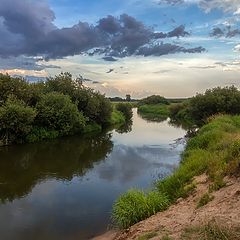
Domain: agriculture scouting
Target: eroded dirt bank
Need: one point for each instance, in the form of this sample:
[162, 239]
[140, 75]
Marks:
[223, 208]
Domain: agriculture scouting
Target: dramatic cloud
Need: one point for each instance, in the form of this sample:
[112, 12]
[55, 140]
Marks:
[178, 32]
[164, 49]
[28, 29]
[217, 32]
[224, 32]
[109, 59]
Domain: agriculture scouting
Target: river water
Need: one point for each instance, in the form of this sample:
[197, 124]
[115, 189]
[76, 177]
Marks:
[65, 188]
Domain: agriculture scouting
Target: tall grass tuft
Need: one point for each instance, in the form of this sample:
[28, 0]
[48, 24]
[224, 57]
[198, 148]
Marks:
[135, 205]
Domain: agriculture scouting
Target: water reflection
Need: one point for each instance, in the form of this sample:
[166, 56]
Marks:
[64, 189]
[125, 128]
[22, 167]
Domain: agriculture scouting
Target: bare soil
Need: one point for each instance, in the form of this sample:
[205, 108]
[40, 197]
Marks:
[225, 207]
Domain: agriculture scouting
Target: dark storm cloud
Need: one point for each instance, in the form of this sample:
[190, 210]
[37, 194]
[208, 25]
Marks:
[227, 32]
[109, 59]
[109, 24]
[167, 48]
[217, 32]
[25, 22]
[27, 28]
[178, 32]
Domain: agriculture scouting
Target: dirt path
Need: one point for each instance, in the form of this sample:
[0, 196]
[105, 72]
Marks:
[225, 207]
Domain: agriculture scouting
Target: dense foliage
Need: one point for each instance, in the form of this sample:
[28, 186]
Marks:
[125, 109]
[154, 112]
[60, 106]
[214, 101]
[214, 151]
[57, 112]
[154, 99]
[16, 120]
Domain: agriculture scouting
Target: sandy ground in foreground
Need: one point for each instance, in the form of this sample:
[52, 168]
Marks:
[225, 207]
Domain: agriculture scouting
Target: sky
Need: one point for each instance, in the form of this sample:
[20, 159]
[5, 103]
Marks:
[174, 48]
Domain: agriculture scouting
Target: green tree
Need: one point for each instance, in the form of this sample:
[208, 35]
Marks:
[126, 109]
[62, 83]
[11, 86]
[98, 108]
[154, 99]
[57, 112]
[215, 101]
[16, 121]
[93, 104]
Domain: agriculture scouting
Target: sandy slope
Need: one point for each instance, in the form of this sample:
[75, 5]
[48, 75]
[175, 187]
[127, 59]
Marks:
[225, 207]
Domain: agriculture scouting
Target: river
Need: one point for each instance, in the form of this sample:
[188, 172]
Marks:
[65, 188]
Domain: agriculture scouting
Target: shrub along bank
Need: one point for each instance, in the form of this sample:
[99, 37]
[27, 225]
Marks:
[202, 106]
[215, 150]
[154, 108]
[60, 106]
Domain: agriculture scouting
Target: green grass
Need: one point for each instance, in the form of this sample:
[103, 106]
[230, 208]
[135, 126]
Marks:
[215, 150]
[148, 236]
[136, 205]
[154, 112]
[204, 200]
[213, 230]
[166, 238]
[117, 118]
[92, 127]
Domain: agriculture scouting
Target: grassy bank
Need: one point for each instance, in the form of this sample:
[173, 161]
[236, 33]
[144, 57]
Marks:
[154, 112]
[214, 151]
[117, 118]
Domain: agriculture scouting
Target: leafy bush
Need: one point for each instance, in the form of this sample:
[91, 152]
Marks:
[117, 118]
[94, 105]
[39, 133]
[217, 100]
[154, 99]
[62, 104]
[125, 109]
[200, 108]
[16, 120]
[57, 112]
[17, 87]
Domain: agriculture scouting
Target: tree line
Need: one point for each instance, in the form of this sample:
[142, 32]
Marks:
[198, 109]
[59, 106]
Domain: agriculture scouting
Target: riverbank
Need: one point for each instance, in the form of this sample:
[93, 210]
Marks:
[154, 112]
[185, 220]
[214, 152]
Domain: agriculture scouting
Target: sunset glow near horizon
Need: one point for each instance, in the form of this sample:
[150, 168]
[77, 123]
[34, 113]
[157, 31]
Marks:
[174, 48]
